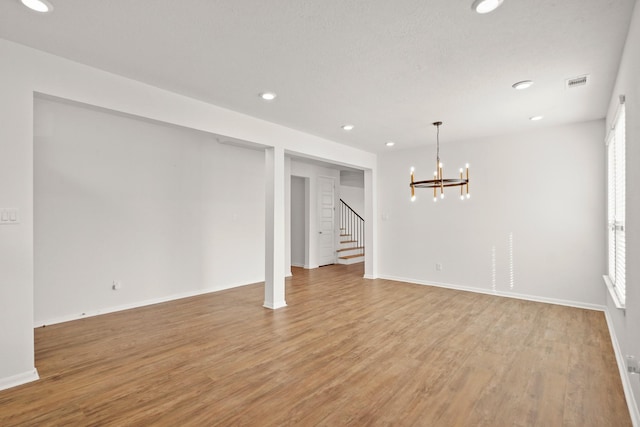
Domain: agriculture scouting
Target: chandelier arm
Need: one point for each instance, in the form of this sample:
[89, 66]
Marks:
[438, 183]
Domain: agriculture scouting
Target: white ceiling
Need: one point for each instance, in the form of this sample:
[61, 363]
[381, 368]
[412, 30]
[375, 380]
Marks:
[389, 67]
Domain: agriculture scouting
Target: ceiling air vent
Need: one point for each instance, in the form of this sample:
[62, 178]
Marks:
[576, 81]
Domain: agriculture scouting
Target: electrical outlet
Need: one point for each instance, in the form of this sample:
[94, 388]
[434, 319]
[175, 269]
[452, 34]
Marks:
[438, 266]
[117, 285]
[632, 365]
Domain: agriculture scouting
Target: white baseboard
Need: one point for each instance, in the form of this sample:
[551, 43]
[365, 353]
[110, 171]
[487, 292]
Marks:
[137, 304]
[514, 295]
[16, 380]
[275, 305]
[624, 375]
[369, 276]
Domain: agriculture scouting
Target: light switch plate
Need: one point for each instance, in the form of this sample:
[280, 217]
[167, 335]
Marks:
[9, 216]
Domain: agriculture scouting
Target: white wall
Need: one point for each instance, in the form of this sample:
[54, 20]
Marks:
[16, 241]
[354, 197]
[625, 324]
[352, 178]
[26, 71]
[151, 205]
[544, 188]
[298, 215]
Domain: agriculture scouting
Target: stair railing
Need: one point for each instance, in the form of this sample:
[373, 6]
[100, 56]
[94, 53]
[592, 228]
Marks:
[352, 225]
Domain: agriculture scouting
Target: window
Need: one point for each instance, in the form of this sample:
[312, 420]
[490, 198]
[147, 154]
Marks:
[616, 178]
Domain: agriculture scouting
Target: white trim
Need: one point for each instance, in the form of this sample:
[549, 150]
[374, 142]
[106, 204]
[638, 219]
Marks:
[275, 305]
[514, 295]
[137, 304]
[16, 380]
[624, 376]
[614, 294]
[370, 276]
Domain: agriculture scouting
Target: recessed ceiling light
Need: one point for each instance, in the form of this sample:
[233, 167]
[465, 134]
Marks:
[536, 118]
[268, 96]
[42, 6]
[348, 127]
[522, 85]
[485, 6]
[390, 144]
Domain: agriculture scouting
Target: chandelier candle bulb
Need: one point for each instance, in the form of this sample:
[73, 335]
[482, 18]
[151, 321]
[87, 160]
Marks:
[413, 190]
[435, 195]
[468, 181]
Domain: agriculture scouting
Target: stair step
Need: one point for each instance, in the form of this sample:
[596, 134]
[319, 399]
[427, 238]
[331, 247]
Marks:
[351, 256]
[348, 241]
[350, 249]
[345, 235]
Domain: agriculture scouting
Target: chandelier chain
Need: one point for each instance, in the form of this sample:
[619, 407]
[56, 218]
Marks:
[437, 145]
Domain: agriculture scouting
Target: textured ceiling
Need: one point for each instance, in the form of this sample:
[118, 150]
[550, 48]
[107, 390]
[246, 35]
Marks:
[389, 67]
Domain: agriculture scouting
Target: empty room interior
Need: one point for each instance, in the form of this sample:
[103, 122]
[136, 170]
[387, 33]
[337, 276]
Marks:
[320, 213]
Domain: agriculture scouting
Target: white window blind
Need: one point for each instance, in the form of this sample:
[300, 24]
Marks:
[616, 203]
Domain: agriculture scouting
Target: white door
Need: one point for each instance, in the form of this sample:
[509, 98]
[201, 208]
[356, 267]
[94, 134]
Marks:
[326, 236]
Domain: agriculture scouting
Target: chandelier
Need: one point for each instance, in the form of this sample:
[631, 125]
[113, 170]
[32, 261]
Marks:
[438, 181]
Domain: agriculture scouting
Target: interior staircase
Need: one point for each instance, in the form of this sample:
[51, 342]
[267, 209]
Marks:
[351, 243]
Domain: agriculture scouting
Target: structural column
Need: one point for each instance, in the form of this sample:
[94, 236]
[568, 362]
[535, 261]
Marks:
[371, 225]
[274, 228]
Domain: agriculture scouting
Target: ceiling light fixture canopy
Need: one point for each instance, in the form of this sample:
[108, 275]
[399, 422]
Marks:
[525, 84]
[438, 181]
[485, 6]
[42, 6]
[347, 127]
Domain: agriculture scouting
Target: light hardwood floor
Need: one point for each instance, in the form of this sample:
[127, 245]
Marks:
[346, 351]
